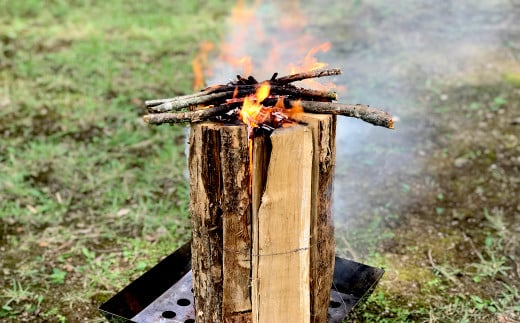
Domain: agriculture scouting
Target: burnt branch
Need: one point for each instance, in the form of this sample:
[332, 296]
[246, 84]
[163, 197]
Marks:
[308, 75]
[251, 82]
[215, 98]
[360, 111]
[207, 91]
[364, 112]
[187, 116]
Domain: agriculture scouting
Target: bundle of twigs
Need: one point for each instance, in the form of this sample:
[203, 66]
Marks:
[219, 100]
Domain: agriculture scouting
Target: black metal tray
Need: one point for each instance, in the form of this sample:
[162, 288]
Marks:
[164, 293]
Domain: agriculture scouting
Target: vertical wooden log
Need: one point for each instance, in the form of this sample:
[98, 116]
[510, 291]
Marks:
[290, 233]
[280, 282]
[322, 226]
[220, 218]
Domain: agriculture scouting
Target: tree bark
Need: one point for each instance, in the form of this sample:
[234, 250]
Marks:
[220, 218]
[322, 253]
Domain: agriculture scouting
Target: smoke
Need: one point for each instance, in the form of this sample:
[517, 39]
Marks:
[389, 51]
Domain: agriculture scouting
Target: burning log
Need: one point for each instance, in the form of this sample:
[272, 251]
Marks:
[260, 200]
[289, 232]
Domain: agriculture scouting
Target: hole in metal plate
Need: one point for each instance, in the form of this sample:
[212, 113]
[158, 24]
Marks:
[183, 302]
[168, 314]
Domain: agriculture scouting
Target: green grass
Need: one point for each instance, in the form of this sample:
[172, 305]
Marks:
[451, 252]
[91, 197]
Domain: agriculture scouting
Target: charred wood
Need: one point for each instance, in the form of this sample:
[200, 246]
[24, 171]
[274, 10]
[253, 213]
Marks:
[217, 97]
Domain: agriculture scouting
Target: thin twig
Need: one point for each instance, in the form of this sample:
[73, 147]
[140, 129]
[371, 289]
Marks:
[239, 91]
[308, 75]
[176, 105]
[250, 81]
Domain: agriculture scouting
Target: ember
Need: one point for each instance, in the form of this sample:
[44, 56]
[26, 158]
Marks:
[269, 104]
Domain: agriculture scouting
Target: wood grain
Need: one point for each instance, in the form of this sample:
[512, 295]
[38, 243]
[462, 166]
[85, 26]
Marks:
[282, 237]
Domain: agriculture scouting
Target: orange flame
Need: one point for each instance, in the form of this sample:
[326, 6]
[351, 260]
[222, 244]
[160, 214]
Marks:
[263, 39]
[310, 62]
[253, 112]
[279, 41]
[199, 64]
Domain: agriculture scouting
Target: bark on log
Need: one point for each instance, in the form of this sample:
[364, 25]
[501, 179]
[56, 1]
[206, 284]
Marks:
[219, 181]
[322, 253]
[236, 294]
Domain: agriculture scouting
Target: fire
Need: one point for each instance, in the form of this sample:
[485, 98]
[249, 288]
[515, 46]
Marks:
[253, 112]
[265, 37]
[266, 40]
[199, 63]
[310, 62]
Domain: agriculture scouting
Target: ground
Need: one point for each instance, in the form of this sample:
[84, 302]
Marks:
[92, 197]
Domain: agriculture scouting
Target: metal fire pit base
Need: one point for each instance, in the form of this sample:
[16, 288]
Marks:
[164, 293]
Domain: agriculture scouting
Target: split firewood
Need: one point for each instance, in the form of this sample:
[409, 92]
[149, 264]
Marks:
[280, 85]
[187, 116]
[216, 101]
[180, 103]
[364, 112]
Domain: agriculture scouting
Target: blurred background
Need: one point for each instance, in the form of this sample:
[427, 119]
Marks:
[90, 197]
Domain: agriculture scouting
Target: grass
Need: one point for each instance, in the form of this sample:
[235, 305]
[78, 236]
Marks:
[464, 266]
[91, 197]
